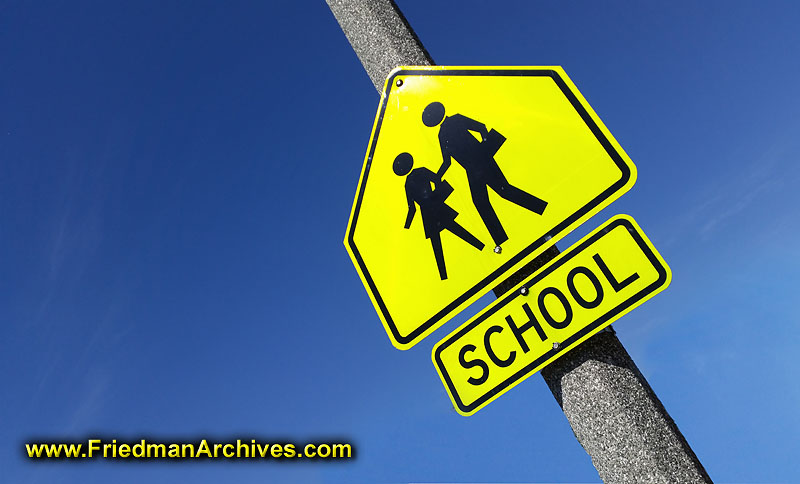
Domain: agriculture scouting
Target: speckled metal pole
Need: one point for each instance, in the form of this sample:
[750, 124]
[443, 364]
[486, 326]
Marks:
[617, 417]
[380, 35]
[614, 413]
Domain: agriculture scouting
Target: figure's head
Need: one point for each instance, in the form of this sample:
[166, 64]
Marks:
[403, 164]
[433, 114]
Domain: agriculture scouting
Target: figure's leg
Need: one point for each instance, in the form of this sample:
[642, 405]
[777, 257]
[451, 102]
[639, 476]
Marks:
[523, 199]
[480, 198]
[500, 184]
[464, 235]
[436, 242]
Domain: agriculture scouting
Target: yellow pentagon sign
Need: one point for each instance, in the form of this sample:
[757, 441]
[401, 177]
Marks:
[471, 172]
[592, 284]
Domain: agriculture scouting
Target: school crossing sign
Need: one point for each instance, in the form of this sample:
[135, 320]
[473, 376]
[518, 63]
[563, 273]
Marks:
[586, 288]
[471, 172]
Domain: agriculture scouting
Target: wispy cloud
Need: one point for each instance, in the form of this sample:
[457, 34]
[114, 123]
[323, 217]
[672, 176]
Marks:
[727, 207]
[722, 201]
[94, 396]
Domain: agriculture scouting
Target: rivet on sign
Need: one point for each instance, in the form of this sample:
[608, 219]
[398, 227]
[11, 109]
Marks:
[524, 291]
[555, 345]
[399, 82]
[498, 249]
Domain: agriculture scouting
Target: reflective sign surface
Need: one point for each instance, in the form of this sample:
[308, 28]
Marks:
[583, 290]
[471, 173]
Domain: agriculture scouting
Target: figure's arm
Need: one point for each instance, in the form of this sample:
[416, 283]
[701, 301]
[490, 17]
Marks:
[412, 209]
[445, 163]
[476, 126]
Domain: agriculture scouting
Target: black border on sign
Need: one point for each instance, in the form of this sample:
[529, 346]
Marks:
[567, 344]
[550, 234]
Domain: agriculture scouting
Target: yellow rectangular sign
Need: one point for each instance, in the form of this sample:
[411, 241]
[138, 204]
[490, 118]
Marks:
[595, 282]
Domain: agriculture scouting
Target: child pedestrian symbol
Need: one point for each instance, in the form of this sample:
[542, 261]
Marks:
[426, 189]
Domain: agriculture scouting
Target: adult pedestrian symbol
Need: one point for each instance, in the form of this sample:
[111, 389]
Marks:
[471, 172]
[477, 158]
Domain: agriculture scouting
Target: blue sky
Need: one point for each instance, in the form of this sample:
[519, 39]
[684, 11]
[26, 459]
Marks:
[175, 182]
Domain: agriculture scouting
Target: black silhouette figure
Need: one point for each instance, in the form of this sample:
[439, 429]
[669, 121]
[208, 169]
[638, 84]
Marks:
[428, 191]
[477, 158]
